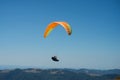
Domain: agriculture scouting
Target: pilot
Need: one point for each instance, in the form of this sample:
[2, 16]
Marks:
[54, 58]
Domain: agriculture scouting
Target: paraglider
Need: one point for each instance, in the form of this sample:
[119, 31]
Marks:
[52, 25]
[54, 58]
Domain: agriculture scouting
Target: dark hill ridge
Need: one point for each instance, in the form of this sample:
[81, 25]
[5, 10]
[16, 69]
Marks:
[58, 74]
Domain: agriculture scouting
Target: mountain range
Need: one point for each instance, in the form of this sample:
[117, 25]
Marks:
[59, 74]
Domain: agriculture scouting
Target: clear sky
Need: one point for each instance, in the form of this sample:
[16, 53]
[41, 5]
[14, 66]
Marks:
[94, 43]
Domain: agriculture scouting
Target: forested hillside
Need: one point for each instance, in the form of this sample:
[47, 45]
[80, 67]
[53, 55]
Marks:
[58, 74]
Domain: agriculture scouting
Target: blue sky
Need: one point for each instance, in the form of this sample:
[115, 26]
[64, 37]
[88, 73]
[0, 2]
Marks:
[94, 43]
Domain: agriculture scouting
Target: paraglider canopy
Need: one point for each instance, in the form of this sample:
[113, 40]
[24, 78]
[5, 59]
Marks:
[52, 25]
[54, 58]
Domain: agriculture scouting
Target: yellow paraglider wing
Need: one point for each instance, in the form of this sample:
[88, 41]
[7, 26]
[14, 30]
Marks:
[52, 25]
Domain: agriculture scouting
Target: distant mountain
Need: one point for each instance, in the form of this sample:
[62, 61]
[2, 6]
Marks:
[58, 74]
[100, 72]
[2, 67]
